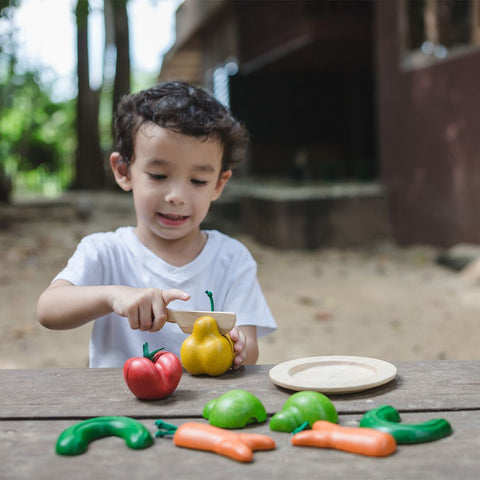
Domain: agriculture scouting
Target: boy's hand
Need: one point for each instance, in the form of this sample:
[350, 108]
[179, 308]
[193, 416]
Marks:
[145, 308]
[240, 346]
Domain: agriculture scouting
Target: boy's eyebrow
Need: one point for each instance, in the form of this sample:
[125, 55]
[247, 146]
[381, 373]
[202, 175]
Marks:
[207, 168]
[204, 168]
[157, 162]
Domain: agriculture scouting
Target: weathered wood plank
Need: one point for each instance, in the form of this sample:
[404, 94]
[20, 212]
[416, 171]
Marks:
[77, 393]
[27, 451]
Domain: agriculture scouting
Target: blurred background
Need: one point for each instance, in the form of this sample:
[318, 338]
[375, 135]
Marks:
[362, 176]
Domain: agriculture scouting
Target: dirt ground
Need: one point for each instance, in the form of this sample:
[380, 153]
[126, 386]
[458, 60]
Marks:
[380, 301]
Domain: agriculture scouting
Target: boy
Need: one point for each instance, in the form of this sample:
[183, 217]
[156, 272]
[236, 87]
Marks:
[175, 148]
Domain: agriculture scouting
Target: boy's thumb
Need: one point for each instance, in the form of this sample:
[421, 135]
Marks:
[174, 294]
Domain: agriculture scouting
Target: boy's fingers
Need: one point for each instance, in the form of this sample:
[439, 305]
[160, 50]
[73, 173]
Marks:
[159, 315]
[133, 320]
[238, 340]
[145, 317]
[239, 359]
[158, 322]
[174, 294]
[234, 334]
[239, 347]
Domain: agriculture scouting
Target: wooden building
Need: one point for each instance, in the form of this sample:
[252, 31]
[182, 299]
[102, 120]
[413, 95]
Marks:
[336, 92]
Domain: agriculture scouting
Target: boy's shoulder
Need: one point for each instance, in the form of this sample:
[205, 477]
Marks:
[224, 244]
[123, 236]
[216, 238]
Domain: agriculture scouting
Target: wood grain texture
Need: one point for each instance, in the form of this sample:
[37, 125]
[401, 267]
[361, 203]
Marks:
[82, 393]
[27, 451]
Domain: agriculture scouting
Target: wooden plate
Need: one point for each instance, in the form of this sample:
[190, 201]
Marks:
[333, 374]
[186, 318]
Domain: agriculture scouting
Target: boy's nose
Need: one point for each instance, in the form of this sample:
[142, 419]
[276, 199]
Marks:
[175, 195]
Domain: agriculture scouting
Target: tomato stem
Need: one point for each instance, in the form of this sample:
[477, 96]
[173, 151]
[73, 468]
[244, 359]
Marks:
[210, 296]
[148, 354]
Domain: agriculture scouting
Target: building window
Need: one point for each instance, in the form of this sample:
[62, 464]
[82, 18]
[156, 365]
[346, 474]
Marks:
[433, 30]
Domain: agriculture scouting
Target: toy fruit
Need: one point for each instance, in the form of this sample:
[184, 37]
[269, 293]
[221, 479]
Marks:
[234, 409]
[206, 351]
[306, 406]
[364, 441]
[153, 376]
[75, 439]
[387, 419]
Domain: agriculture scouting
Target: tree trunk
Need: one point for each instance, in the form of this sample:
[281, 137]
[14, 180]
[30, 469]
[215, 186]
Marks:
[122, 71]
[89, 162]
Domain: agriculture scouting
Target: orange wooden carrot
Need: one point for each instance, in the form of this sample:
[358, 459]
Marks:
[364, 441]
[239, 446]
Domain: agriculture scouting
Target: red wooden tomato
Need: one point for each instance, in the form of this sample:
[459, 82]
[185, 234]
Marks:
[153, 376]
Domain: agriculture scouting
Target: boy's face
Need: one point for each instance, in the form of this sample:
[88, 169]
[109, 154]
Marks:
[174, 178]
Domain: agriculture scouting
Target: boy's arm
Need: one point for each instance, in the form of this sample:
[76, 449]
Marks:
[63, 305]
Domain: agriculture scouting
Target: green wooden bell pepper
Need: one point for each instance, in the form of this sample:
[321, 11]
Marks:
[303, 407]
[234, 409]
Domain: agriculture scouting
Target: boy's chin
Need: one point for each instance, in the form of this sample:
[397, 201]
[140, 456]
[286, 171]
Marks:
[179, 234]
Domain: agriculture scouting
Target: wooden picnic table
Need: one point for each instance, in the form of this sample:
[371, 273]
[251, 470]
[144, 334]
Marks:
[37, 405]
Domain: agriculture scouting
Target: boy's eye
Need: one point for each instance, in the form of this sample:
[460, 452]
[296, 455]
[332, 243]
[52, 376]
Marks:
[198, 182]
[156, 176]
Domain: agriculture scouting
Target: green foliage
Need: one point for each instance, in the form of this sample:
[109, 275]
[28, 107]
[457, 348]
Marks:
[37, 140]
[37, 136]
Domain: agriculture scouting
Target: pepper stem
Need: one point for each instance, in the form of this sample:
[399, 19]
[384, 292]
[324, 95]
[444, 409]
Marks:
[302, 427]
[148, 354]
[210, 296]
[164, 428]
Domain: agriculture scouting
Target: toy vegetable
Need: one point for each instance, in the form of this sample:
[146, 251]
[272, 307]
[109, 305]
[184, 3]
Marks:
[75, 439]
[200, 436]
[206, 351]
[387, 419]
[234, 409]
[306, 406]
[364, 441]
[153, 376]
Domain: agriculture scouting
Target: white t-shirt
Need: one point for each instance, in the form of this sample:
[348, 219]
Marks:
[224, 266]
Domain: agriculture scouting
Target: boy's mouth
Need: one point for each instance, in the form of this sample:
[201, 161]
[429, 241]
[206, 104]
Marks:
[172, 219]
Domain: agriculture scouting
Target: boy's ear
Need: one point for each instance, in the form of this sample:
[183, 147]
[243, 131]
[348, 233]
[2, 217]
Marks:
[121, 171]
[221, 182]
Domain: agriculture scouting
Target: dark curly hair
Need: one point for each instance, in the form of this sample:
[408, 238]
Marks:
[181, 108]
